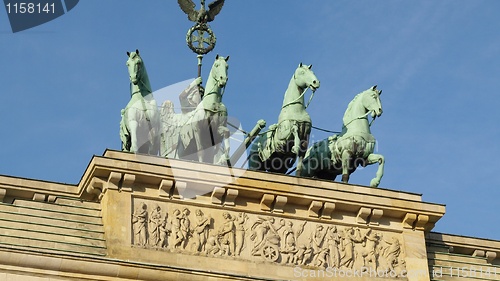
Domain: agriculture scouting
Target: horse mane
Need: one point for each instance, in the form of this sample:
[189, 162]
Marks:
[349, 108]
[145, 77]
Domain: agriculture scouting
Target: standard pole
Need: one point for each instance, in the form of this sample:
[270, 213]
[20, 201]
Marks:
[201, 90]
[200, 58]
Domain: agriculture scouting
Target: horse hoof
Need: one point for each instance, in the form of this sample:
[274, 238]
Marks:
[345, 178]
[374, 183]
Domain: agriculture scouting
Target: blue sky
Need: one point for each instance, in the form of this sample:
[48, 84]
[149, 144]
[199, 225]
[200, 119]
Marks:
[437, 62]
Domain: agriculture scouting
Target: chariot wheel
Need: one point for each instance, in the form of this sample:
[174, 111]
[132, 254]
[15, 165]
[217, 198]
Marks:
[270, 253]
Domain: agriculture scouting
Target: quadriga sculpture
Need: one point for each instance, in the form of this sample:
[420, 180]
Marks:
[342, 154]
[140, 123]
[277, 149]
[197, 133]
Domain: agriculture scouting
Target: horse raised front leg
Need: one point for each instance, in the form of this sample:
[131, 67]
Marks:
[346, 156]
[372, 159]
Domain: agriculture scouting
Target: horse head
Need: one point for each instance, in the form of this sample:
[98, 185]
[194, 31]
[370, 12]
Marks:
[305, 78]
[134, 63]
[371, 101]
[219, 70]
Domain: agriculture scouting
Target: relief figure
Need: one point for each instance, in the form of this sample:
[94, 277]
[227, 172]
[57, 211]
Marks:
[140, 225]
[200, 231]
[226, 235]
[239, 224]
[154, 223]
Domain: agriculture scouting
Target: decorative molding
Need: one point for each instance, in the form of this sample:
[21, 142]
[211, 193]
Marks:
[346, 197]
[409, 220]
[3, 192]
[266, 202]
[421, 222]
[217, 195]
[165, 188]
[96, 187]
[363, 215]
[328, 209]
[128, 182]
[376, 216]
[314, 209]
[113, 181]
[231, 195]
[39, 197]
[478, 253]
[490, 256]
[179, 187]
[280, 203]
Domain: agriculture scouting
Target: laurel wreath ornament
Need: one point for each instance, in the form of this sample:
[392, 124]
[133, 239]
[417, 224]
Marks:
[196, 39]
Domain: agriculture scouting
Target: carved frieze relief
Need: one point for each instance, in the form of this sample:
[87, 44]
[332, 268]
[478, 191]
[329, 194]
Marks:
[174, 227]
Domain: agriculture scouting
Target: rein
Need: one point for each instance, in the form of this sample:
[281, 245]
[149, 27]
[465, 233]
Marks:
[215, 92]
[362, 117]
[223, 89]
[297, 99]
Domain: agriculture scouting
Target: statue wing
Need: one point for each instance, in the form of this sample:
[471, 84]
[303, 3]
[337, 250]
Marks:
[214, 9]
[188, 7]
[170, 129]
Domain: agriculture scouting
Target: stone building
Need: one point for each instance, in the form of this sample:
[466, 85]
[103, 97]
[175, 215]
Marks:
[135, 217]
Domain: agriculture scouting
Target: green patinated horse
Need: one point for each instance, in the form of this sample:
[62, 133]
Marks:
[342, 154]
[198, 133]
[140, 123]
[277, 149]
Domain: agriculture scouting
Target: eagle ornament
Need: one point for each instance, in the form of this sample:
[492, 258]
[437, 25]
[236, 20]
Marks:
[202, 15]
